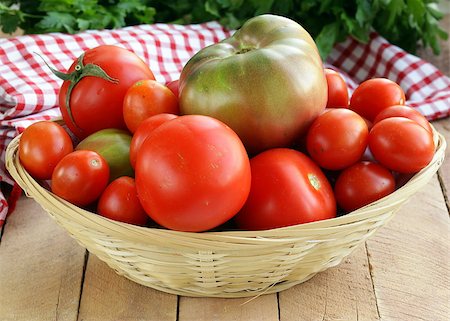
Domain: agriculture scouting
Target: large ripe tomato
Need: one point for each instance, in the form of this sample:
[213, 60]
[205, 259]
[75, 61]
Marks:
[80, 177]
[337, 89]
[404, 111]
[287, 188]
[192, 173]
[374, 95]
[119, 202]
[91, 96]
[337, 139]
[361, 184]
[147, 98]
[42, 146]
[266, 82]
[401, 144]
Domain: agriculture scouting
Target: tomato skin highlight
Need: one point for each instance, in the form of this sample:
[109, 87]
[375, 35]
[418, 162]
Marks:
[80, 177]
[337, 89]
[42, 145]
[401, 144]
[192, 174]
[287, 188]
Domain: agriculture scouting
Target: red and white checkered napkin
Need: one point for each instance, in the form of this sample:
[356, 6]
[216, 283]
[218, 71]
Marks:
[28, 90]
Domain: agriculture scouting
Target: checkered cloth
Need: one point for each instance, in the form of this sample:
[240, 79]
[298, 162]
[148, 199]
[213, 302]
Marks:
[28, 89]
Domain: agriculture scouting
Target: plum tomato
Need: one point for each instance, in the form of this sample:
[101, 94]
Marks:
[404, 111]
[42, 146]
[147, 98]
[287, 188]
[337, 89]
[374, 95]
[337, 139]
[361, 184]
[80, 177]
[401, 144]
[192, 173]
[119, 202]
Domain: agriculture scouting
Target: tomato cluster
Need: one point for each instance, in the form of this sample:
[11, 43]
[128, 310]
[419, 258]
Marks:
[193, 172]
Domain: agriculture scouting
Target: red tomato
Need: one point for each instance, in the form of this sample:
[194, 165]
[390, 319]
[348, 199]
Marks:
[337, 139]
[96, 101]
[142, 132]
[361, 184]
[192, 173]
[42, 146]
[147, 98]
[80, 177]
[374, 95]
[174, 87]
[119, 202]
[337, 89]
[287, 188]
[401, 144]
[404, 111]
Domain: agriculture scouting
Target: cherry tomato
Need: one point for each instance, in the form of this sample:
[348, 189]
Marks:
[287, 188]
[401, 144]
[361, 184]
[142, 132]
[337, 139]
[119, 202]
[192, 173]
[337, 89]
[42, 146]
[174, 87]
[374, 95]
[147, 98]
[80, 177]
[404, 111]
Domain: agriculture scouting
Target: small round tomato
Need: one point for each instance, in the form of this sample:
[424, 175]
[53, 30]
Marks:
[374, 95]
[142, 132]
[174, 87]
[337, 89]
[401, 144]
[80, 177]
[119, 202]
[362, 184]
[42, 146]
[192, 173]
[287, 188]
[337, 139]
[404, 111]
[147, 98]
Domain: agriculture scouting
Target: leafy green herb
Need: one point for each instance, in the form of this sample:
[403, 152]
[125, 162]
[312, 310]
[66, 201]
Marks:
[406, 23]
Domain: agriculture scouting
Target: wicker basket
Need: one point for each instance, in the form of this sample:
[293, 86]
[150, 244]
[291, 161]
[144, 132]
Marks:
[221, 264]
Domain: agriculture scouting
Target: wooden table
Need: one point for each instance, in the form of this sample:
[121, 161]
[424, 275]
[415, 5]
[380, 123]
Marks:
[402, 273]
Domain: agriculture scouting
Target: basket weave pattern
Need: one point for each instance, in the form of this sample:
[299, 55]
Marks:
[225, 263]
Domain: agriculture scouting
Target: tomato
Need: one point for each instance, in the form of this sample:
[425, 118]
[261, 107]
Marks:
[361, 184]
[337, 89]
[42, 146]
[192, 173]
[174, 86]
[266, 82]
[91, 96]
[287, 188]
[142, 132]
[337, 139]
[119, 202]
[114, 146]
[147, 98]
[374, 95]
[404, 111]
[401, 144]
[80, 177]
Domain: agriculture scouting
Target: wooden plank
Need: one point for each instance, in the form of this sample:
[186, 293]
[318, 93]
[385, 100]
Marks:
[262, 308]
[108, 296]
[443, 126]
[41, 267]
[410, 260]
[344, 292]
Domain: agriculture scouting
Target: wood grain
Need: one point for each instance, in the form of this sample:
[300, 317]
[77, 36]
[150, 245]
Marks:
[443, 126]
[41, 268]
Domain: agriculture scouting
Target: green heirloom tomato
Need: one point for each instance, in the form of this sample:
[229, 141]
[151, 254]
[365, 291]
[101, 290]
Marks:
[114, 146]
[266, 82]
